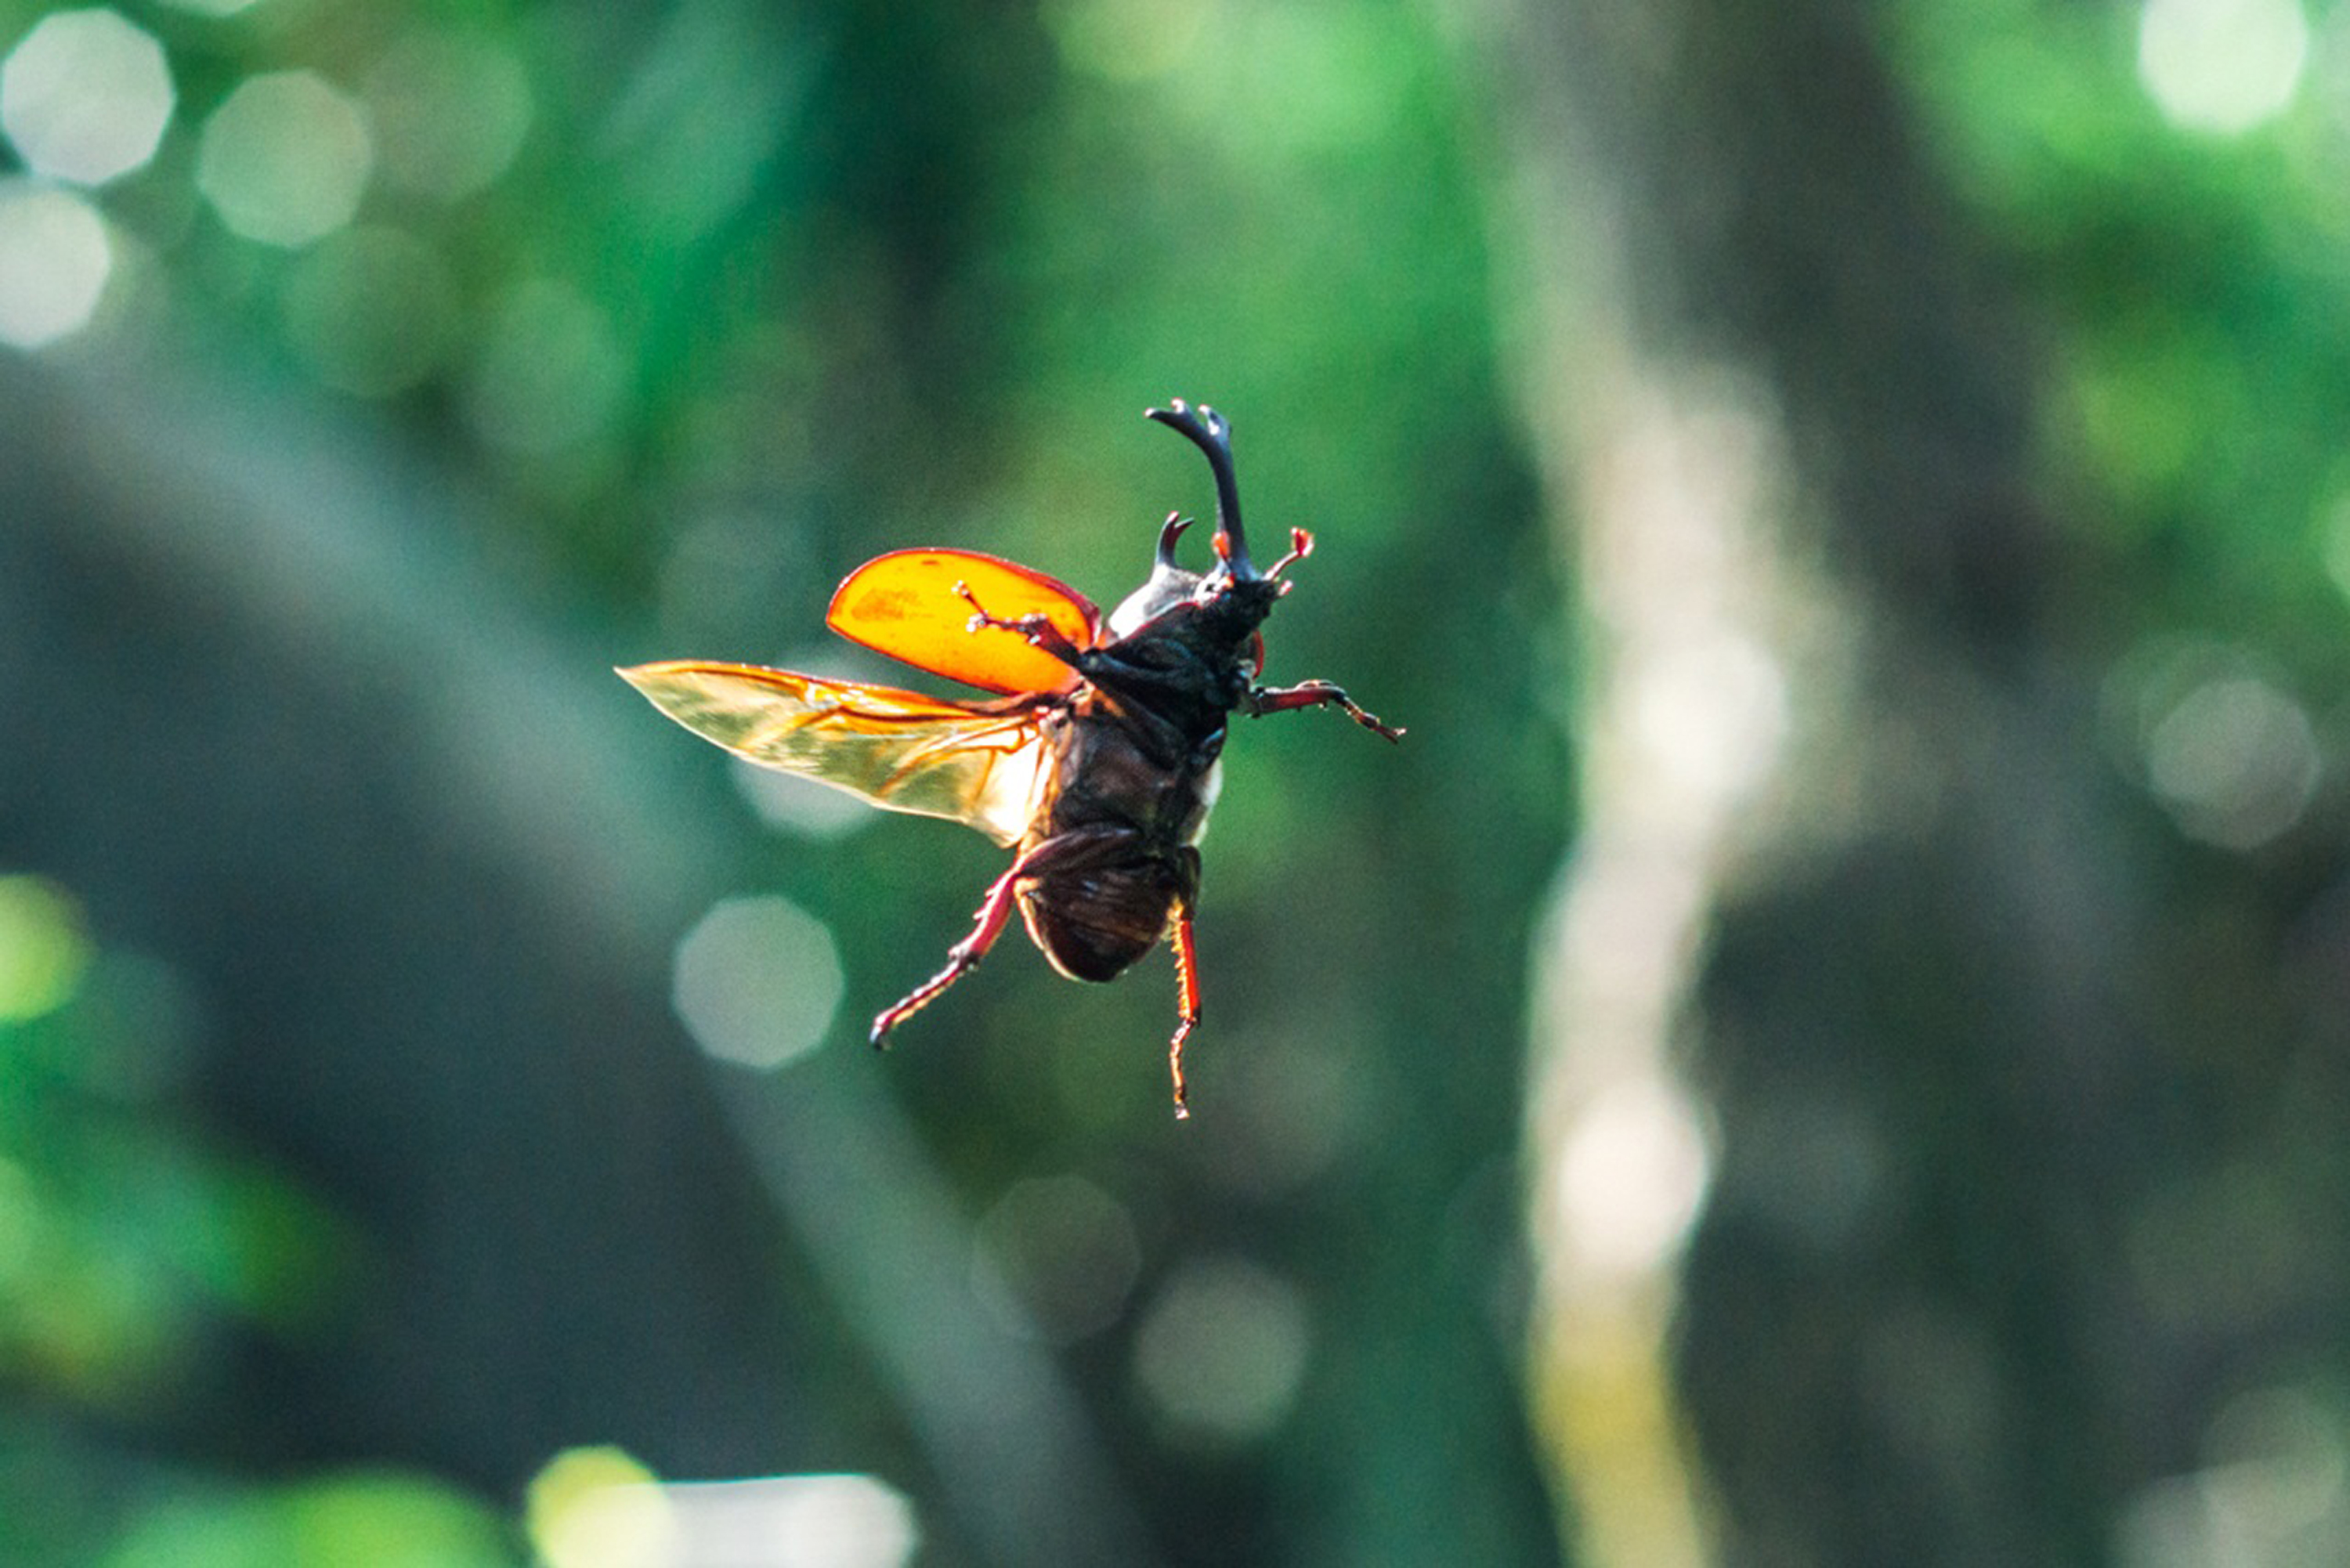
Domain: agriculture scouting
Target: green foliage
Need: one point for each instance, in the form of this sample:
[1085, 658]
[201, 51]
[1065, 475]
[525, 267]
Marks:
[356, 1520]
[128, 1241]
[2193, 286]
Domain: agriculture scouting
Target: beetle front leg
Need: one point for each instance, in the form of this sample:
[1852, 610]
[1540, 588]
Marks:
[1035, 626]
[1264, 699]
[994, 911]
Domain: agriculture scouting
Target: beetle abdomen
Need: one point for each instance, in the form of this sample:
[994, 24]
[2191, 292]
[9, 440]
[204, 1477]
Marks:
[1093, 924]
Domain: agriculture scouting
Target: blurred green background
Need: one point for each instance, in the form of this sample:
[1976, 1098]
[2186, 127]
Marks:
[1826, 1045]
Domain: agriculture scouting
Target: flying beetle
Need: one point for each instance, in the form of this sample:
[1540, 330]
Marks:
[1097, 760]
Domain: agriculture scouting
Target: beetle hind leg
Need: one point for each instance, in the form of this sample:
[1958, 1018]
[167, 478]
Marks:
[1187, 987]
[1066, 849]
[994, 911]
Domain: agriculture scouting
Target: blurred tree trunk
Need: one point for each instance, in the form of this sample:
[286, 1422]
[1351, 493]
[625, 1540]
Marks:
[1786, 405]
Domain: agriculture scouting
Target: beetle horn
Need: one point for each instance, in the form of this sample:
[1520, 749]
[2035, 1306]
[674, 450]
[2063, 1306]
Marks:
[1169, 532]
[1206, 431]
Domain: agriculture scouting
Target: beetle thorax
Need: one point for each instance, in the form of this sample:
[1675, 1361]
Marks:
[1168, 586]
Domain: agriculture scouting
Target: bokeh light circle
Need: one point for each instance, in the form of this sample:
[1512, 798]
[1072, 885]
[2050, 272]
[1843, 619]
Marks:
[55, 259]
[449, 111]
[371, 310]
[1055, 1259]
[797, 806]
[550, 374]
[85, 97]
[284, 159]
[1222, 1351]
[757, 981]
[2235, 760]
[43, 950]
[2223, 66]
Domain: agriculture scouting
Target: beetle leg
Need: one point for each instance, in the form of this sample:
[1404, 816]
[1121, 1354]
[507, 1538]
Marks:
[1036, 627]
[994, 912]
[1265, 700]
[1187, 990]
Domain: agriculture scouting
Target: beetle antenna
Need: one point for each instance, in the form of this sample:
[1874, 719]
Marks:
[1206, 431]
[1301, 545]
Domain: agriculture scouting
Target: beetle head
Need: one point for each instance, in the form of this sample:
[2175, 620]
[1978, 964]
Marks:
[1231, 598]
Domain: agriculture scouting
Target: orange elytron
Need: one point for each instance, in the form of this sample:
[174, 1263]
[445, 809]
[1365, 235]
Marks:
[1099, 759]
